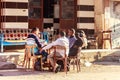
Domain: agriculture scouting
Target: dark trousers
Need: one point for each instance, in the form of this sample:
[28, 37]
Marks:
[44, 55]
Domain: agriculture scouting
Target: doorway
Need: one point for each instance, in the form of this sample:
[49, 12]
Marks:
[59, 14]
[51, 15]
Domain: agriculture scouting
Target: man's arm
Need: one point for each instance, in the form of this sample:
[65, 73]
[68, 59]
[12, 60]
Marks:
[37, 40]
[51, 44]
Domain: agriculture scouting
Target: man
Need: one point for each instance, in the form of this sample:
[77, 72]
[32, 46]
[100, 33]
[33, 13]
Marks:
[76, 48]
[62, 41]
[71, 37]
[85, 43]
[33, 39]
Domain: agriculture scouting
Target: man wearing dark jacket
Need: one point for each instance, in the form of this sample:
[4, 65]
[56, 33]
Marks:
[71, 37]
[76, 46]
[33, 39]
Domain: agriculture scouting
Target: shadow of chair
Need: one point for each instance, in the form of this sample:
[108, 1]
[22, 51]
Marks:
[29, 57]
[76, 61]
[64, 59]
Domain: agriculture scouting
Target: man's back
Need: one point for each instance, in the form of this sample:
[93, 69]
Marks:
[76, 47]
[62, 41]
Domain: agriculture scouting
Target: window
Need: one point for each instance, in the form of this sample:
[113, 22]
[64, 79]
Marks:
[34, 2]
[34, 13]
[35, 9]
[68, 9]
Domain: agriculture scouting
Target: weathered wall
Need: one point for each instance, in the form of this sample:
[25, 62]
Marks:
[99, 20]
[99, 15]
[115, 22]
[107, 18]
[85, 55]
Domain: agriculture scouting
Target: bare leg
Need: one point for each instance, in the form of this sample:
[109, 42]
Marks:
[50, 57]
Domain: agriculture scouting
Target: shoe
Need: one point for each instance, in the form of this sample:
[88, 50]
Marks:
[58, 69]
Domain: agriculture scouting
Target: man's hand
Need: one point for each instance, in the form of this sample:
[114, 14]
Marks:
[41, 50]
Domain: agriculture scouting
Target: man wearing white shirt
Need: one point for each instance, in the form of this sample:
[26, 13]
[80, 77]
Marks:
[62, 41]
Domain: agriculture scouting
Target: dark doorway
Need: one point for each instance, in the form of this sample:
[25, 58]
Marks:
[48, 9]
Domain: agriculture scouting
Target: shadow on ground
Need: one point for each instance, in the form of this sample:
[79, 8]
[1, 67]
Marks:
[22, 72]
[108, 58]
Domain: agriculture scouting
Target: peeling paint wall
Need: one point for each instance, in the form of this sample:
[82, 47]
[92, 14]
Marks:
[115, 22]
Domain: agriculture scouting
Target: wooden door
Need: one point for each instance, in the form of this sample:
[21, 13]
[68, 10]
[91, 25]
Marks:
[68, 14]
[36, 14]
[0, 14]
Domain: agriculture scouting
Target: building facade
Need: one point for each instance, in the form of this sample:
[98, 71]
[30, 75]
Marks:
[93, 16]
[14, 14]
[62, 14]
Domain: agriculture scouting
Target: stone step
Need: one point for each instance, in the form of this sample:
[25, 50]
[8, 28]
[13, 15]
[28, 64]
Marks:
[7, 65]
[90, 55]
[101, 55]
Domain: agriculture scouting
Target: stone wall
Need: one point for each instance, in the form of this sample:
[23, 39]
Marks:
[86, 55]
[100, 55]
[12, 57]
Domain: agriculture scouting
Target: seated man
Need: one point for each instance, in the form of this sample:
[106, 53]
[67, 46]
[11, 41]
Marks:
[62, 41]
[76, 46]
[71, 37]
[85, 42]
[33, 39]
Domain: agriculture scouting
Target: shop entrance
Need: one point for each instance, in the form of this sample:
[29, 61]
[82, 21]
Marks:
[56, 14]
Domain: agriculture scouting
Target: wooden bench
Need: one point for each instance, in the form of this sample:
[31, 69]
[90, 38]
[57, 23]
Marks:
[7, 43]
[12, 37]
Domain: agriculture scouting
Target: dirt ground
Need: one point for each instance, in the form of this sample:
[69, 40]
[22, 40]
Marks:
[98, 71]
